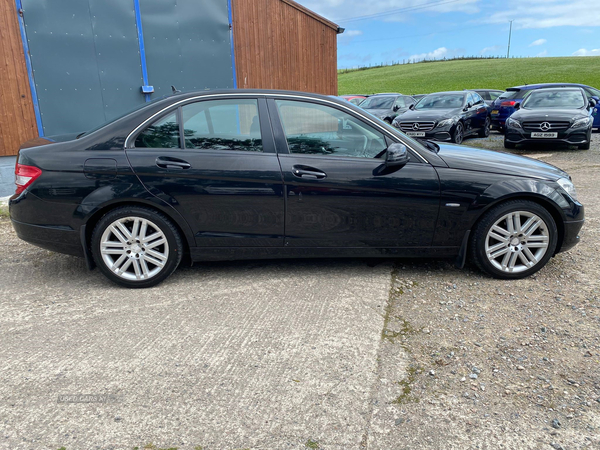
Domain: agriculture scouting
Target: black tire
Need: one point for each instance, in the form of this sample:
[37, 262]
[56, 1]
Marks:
[485, 131]
[459, 133]
[477, 244]
[510, 145]
[172, 250]
[388, 120]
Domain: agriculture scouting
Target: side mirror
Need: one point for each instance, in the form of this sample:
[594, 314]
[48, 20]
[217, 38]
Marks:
[593, 102]
[412, 106]
[395, 108]
[396, 155]
[517, 105]
[468, 106]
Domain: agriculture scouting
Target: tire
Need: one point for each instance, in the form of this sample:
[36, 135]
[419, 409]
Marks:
[534, 240]
[142, 263]
[509, 145]
[459, 133]
[388, 120]
[485, 131]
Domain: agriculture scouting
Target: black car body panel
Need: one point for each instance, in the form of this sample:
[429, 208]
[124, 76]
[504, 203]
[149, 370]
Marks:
[398, 105]
[232, 205]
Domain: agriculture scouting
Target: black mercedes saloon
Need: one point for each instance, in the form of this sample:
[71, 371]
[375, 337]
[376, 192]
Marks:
[447, 116]
[249, 174]
[552, 116]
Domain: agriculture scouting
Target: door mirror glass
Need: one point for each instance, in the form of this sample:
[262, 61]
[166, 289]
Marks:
[593, 102]
[517, 105]
[396, 155]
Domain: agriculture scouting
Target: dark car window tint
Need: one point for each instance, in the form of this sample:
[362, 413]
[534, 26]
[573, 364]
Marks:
[164, 133]
[509, 95]
[484, 94]
[378, 102]
[314, 129]
[442, 101]
[222, 125]
[546, 98]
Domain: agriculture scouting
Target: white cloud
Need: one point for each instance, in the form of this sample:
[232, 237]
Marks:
[538, 42]
[586, 52]
[436, 54]
[352, 33]
[492, 49]
[339, 10]
[547, 13]
[542, 54]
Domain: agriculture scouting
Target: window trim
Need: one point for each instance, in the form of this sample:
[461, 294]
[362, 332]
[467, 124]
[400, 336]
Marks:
[269, 96]
[162, 116]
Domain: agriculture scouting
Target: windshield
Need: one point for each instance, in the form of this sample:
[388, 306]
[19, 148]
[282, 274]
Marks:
[550, 98]
[378, 102]
[441, 101]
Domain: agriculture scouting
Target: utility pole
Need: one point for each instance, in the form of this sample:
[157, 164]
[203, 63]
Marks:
[509, 35]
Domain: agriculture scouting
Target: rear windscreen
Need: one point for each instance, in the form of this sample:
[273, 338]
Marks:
[509, 95]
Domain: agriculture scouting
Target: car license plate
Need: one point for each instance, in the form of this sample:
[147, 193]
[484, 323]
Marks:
[539, 134]
[495, 111]
[416, 133]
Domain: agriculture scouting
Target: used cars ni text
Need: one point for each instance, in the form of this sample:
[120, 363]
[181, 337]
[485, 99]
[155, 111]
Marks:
[249, 174]
[447, 116]
[552, 116]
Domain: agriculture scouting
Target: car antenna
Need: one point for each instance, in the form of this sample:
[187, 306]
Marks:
[175, 90]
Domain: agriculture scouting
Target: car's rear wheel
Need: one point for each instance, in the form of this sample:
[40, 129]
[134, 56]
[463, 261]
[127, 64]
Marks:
[514, 239]
[485, 131]
[458, 135]
[136, 247]
[509, 144]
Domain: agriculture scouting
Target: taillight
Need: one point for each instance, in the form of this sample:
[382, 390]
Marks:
[508, 103]
[25, 175]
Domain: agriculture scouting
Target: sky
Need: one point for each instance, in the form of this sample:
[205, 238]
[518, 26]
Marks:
[385, 31]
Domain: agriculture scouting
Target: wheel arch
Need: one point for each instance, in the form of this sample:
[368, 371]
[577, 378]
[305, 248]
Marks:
[553, 209]
[97, 214]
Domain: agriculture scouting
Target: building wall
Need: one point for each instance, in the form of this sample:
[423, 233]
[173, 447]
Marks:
[17, 118]
[280, 45]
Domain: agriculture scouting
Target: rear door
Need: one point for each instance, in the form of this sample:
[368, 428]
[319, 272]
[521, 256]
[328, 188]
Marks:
[338, 191]
[214, 161]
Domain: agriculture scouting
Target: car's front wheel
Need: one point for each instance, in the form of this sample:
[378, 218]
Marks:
[514, 239]
[459, 132]
[485, 131]
[136, 247]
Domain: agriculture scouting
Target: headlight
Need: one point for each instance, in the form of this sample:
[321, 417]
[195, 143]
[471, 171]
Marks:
[581, 123]
[568, 187]
[446, 122]
[513, 123]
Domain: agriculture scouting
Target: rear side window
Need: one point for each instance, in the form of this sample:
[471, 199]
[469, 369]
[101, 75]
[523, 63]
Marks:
[164, 133]
[484, 94]
[222, 125]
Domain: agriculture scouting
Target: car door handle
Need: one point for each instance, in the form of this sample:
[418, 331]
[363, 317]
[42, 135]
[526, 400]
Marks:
[308, 173]
[168, 162]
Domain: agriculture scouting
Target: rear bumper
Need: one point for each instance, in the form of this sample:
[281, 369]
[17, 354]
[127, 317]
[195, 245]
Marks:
[571, 237]
[55, 238]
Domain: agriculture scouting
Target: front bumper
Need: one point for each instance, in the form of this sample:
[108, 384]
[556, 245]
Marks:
[571, 236]
[568, 137]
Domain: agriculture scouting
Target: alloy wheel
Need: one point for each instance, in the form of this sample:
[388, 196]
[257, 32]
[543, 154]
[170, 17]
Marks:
[134, 248]
[458, 134]
[517, 241]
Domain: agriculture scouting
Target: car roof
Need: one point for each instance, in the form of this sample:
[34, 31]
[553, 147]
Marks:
[386, 93]
[484, 89]
[527, 87]
[452, 92]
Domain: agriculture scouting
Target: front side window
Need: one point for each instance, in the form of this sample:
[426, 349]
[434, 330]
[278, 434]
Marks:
[222, 125]
[477, 99]
[400, 103]
[164, 133]
[314, 129]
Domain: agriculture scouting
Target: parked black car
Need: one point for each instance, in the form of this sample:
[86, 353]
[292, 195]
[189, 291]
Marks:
[552, 116]
[447, 116]
[236, 174]
[488, 95]
[387, 106]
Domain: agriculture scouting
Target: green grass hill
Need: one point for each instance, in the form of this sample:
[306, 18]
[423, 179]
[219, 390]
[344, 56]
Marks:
[435, 76]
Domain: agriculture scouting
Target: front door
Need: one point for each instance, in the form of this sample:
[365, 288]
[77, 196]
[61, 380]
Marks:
[339, 193]
[214, 161]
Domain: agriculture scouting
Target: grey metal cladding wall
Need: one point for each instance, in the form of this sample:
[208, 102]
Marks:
[187, 44]
[85, 58]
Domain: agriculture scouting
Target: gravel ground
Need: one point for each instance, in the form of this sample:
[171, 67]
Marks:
[454, 360]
